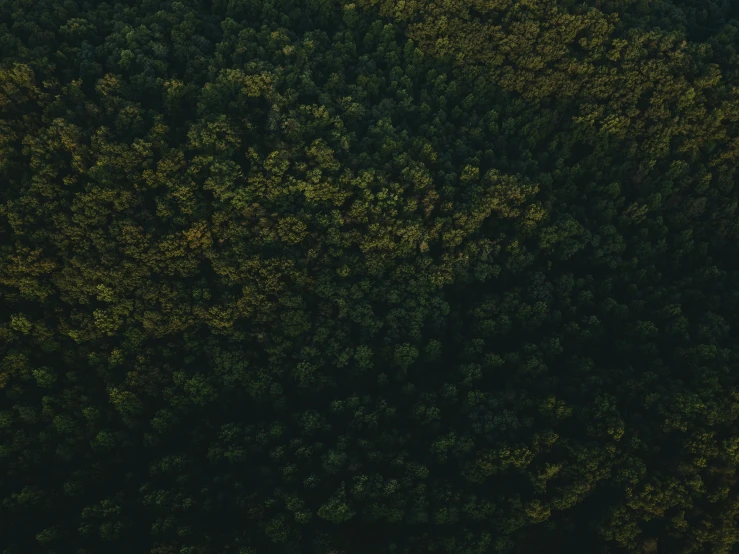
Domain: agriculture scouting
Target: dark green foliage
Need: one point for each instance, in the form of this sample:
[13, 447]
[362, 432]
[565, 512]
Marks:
[373, 277]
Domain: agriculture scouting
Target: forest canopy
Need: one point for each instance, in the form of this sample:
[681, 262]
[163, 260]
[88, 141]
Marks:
[390, 276]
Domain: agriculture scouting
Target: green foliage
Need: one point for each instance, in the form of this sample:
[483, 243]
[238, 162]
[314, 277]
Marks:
[381, 276]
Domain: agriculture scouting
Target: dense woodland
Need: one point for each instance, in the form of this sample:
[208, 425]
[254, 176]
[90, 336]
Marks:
[382, 277]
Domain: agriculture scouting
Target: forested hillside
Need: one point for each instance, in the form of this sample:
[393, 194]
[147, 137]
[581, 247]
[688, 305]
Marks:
[382, 277]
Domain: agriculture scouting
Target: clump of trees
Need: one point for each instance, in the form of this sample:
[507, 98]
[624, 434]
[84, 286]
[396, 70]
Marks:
[316, 276]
